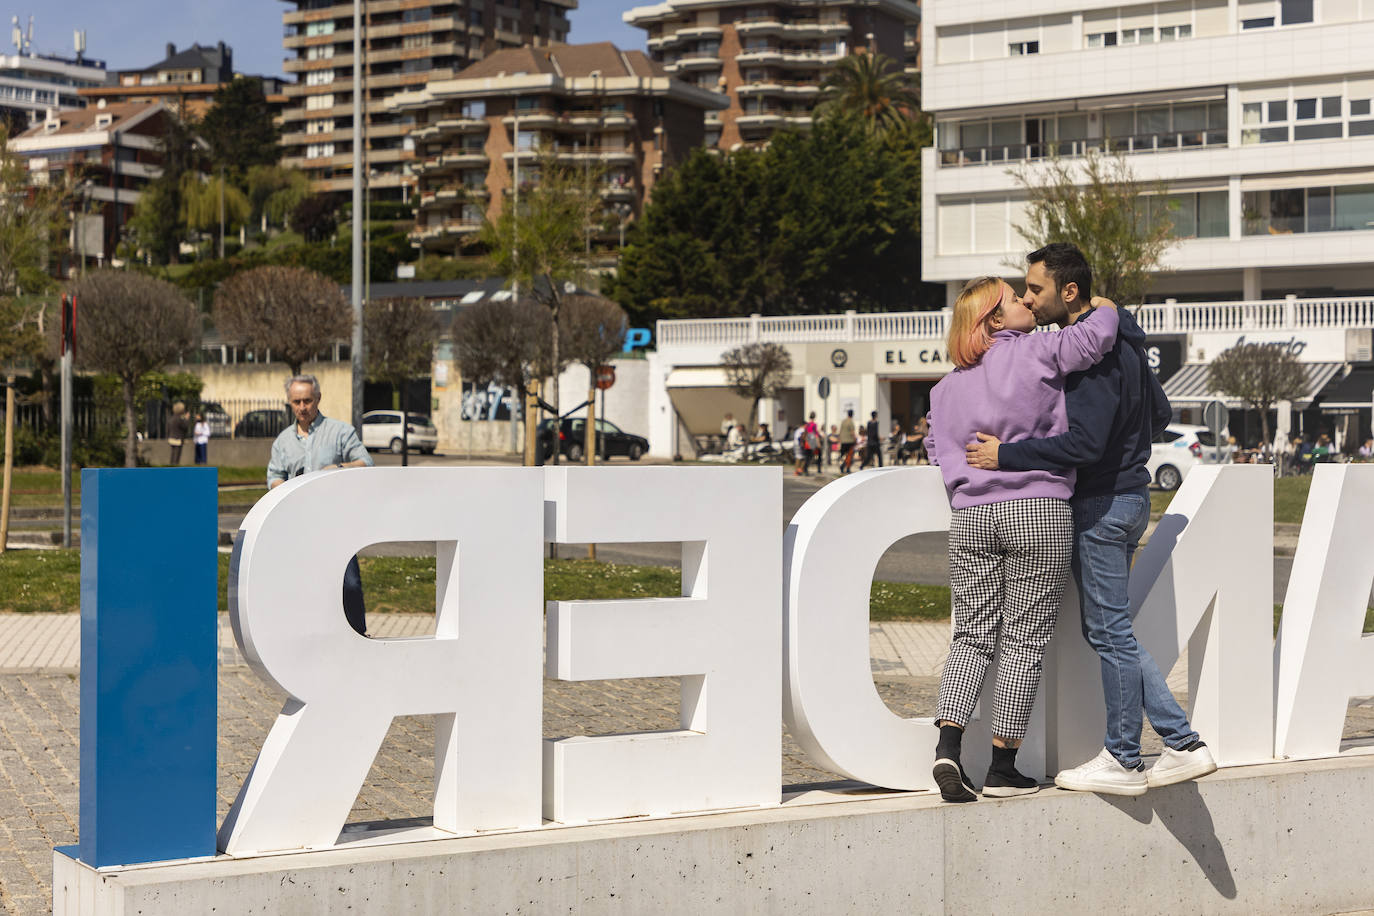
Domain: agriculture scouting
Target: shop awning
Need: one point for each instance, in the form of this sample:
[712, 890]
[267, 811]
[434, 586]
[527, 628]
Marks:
[1189, 385]
[1352, 391]
[703, 396]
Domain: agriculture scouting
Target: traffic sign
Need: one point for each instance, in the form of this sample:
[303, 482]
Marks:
[823, 389]
[1214, 416]
[605, 377]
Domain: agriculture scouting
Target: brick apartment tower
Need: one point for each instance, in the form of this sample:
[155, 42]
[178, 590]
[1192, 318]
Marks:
[406, 44]
[594, 104]
[771, 56]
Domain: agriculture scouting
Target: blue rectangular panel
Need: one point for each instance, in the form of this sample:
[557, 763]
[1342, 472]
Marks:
[149, 650]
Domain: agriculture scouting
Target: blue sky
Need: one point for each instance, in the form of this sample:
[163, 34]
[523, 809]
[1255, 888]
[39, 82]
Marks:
[134, 33]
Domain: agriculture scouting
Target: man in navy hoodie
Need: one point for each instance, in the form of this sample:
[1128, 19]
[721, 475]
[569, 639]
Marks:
[1115, 410]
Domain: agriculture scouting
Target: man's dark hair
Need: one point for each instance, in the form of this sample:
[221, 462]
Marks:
[1065, 264]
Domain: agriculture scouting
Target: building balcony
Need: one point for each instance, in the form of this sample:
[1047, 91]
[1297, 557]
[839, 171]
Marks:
[599, 119]
[393, 29]
[809, 59]
[532, 119]
[1140, 143]
[625, 192]
[694, 32]
[698, 60]
[663, 42]
[759, 88]
[341, 36]
[337, 11]
[447, 127]
[761, 119]
[759, 56]
[447, 230]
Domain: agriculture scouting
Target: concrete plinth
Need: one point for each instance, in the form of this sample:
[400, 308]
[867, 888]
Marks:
[1279, 838]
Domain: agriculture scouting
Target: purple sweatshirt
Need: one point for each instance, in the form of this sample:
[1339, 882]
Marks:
[1016, 391]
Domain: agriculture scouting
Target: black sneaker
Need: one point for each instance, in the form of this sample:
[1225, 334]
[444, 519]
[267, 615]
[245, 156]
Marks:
[954, 784]
[1008, 785]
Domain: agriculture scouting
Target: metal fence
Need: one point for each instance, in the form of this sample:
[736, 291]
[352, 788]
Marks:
[242, 418]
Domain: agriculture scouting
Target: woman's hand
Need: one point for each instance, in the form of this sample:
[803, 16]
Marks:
[1098, 302]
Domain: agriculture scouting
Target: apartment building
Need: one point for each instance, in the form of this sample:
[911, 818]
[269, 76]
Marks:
[30, 84]
[769, 57]
[185, 80]
[1256, 113]
[406, 44]
[616, 111]
[108, 153]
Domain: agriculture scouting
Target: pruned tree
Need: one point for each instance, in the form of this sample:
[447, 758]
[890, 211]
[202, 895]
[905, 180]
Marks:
[542, 242]
[1260, 375]
[315, 217]
[132, 324]
[1097, 203]
[291, 311]
[399, 336]
[756, 371]
[593, 332]
[506, 343]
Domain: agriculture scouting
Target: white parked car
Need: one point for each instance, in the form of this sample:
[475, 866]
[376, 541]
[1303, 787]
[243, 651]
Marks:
[1176, 451]
[382, 429]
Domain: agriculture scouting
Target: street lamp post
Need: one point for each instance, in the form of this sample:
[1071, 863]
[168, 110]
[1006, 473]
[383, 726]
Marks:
[359, 164]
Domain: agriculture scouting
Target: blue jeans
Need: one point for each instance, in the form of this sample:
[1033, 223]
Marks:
[1106, 532]
[355, 609]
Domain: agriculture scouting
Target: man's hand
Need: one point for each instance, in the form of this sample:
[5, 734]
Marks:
[1098, 302]
[983, 453]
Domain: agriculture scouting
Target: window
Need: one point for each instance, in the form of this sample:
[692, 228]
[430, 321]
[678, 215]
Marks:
[1102, 40]
[322, 126]
[527, 103]
[319, 150]
[1359, 108]
[1261, 23]
[1175, 32]
[319, 77]
[1295, 12]
[319, 52]
[1322, 209]
[477, 108]
[1137, 36]
[316, 102]
[320, 28]
[1019, 48]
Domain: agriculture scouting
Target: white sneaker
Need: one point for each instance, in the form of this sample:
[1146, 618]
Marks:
[1103, 774]
[1180, 766]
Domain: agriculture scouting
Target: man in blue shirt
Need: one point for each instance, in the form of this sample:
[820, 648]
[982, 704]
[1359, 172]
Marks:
[318, 443]
[1115, 410]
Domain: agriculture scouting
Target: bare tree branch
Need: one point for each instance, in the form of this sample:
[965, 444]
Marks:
[130, 324]
[1261, 375]
[757, 371]
[291, 311]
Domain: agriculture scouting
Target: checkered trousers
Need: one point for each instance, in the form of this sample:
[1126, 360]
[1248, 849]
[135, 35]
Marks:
[1008, 565]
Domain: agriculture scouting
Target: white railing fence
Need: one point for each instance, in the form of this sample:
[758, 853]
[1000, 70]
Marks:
[1291, 314]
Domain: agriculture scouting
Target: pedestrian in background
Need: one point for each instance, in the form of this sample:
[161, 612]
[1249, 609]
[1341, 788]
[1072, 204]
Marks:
[178, 428]
[201, 435]
[873, 442]
[319, 443]
[847, 439]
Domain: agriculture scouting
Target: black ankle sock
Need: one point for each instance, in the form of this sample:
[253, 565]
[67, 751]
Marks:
[1193, 745]
[1003, 760]
[951, 742]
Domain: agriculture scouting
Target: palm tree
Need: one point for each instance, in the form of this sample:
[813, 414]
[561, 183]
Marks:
[873, 87]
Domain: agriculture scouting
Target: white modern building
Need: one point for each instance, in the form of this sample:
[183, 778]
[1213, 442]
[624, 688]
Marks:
[33, 84]
[888, 362]
[1255, 113]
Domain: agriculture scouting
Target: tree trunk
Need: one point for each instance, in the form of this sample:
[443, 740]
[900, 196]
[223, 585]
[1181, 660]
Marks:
[553, 393]
[1264, 426]
[131, 426]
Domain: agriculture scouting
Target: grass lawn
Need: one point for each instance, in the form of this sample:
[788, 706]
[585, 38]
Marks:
[33, 581]
[43, 486]
[1290, 499]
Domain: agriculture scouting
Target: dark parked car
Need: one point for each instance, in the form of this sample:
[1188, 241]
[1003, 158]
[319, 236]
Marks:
[573, 436]
[257, 424]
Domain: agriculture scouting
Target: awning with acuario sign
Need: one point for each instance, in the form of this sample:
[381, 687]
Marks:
[1190, 385]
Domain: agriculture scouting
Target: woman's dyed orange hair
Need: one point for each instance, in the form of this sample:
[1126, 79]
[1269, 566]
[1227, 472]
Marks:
[969, 334]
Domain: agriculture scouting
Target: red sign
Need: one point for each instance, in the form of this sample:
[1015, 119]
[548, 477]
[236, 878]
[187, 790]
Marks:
[605, 377]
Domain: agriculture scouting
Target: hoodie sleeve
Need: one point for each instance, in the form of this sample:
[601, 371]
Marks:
[1082, 343]
[1161, 412]
[1091, 400]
